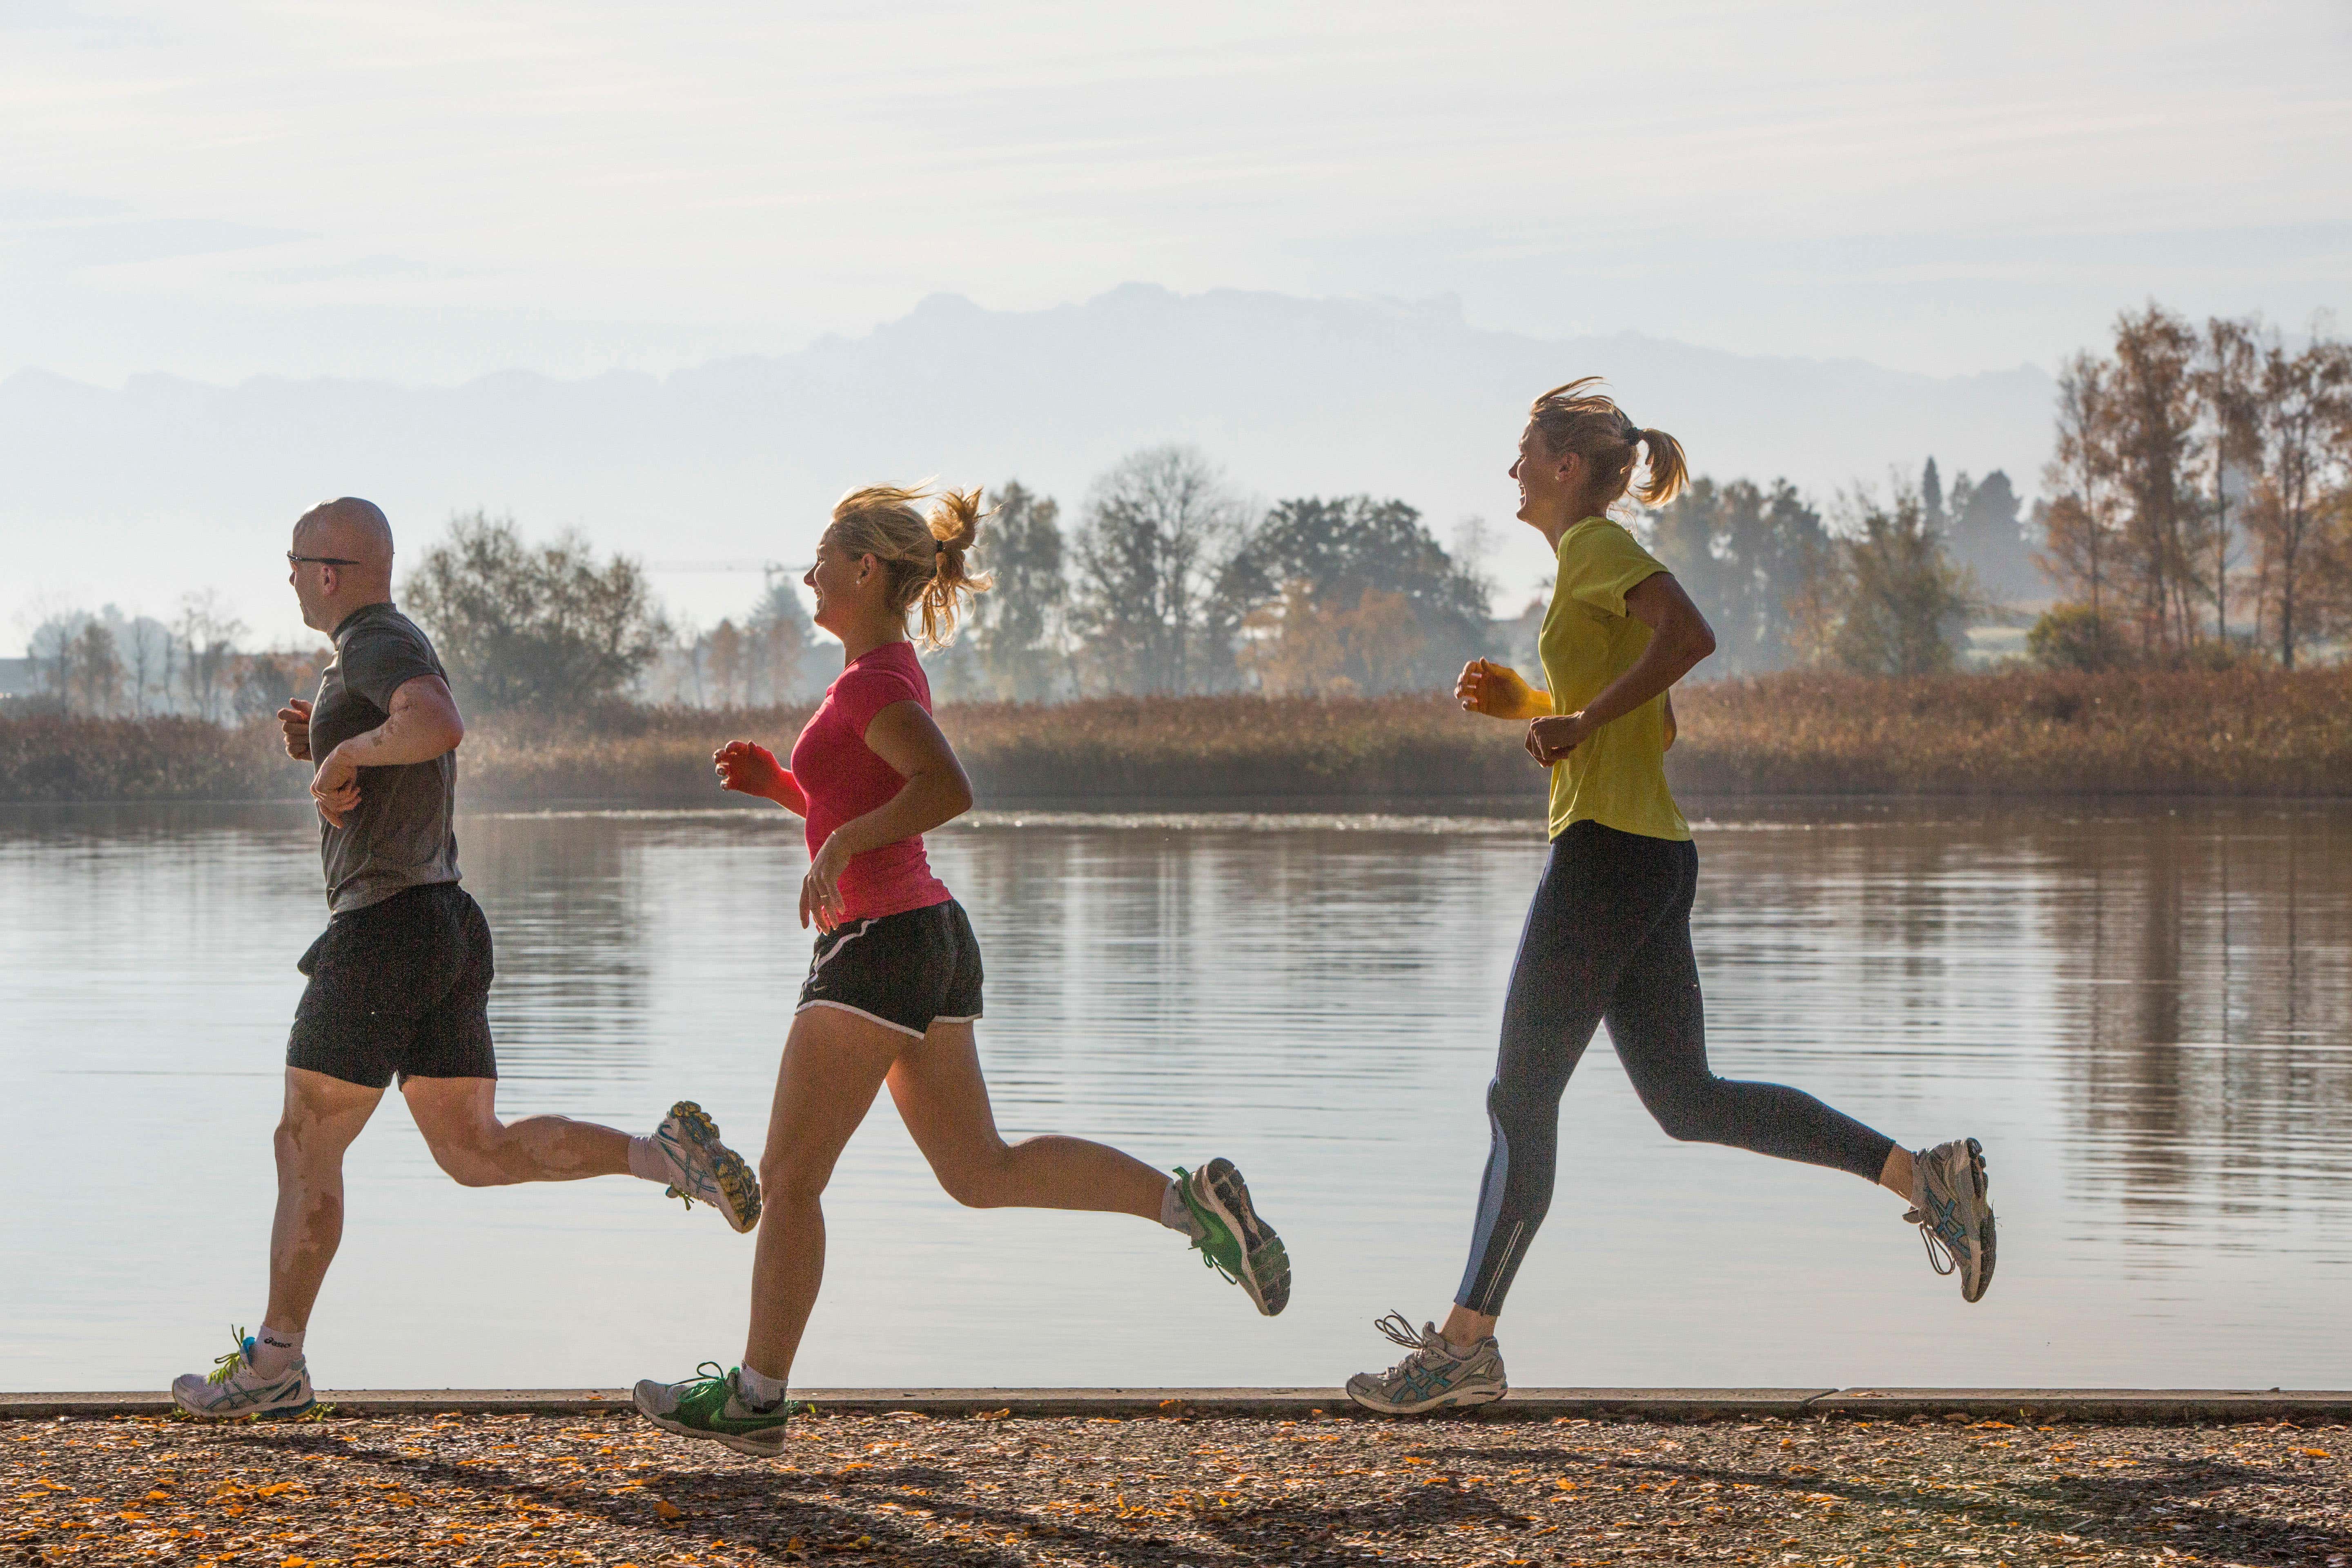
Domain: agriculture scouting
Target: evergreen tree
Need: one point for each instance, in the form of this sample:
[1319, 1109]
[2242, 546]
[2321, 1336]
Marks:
[1018, 622]
[1900, 603]
[1743, 553]
[1987, 537]
[1373, 563]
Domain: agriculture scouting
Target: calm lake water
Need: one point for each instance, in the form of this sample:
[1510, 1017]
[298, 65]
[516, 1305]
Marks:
[2141, 1010]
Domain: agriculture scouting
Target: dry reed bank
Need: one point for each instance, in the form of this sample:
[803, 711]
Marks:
[2249, 733]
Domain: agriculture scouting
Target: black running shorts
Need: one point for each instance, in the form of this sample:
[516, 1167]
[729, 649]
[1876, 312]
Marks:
[904, 971]
[399, 986]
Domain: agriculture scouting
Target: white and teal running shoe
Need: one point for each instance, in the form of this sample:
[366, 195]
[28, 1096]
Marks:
[1955, 1221]
[705, 1170]
[1232, 1238]
[1432, 1377]
[234, 1388]
[710, 1404]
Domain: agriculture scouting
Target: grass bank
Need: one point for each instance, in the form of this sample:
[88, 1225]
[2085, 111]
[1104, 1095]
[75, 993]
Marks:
[2257, 734]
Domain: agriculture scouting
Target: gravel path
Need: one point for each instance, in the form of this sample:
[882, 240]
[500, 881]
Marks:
[487, 1491]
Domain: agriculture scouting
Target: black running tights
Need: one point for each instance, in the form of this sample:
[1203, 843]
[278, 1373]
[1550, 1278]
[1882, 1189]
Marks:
[1608, 938]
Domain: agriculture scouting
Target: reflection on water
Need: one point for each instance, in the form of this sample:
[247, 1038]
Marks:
[2142, 1010]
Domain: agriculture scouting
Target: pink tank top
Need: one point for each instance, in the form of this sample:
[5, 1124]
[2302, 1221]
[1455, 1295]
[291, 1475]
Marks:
[844, 779]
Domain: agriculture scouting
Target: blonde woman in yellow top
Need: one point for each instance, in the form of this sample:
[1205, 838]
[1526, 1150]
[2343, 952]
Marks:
[1608, 933]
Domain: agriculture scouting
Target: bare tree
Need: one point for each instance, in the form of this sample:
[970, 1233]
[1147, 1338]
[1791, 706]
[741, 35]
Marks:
[93, 670]
[2151, 387]
[2228, 392]
[2079, 545]
[209, 635]
[1158, 525]
[147, 660]
[2305, 433]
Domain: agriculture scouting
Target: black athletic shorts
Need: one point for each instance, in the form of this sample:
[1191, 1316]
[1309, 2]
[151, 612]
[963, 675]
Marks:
[403, 986]
[906, 971]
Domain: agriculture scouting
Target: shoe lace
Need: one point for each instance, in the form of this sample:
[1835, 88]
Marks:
[684, 1197]
[1201, 1246]
[1200, 1243]
[1940, 1256]
[226, 1367]
[1400, 1331]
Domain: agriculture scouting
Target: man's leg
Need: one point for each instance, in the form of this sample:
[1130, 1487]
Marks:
[323, 1115]
[267, 1376]
[458, 1118]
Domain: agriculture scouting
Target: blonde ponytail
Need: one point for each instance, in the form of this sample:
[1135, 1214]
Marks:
[1579, 418]
[924, 556]
[1668, 470]
[954, 524]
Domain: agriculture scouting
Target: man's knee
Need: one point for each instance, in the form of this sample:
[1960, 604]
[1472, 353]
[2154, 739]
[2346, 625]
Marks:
[305, 1144]
[468, 1162]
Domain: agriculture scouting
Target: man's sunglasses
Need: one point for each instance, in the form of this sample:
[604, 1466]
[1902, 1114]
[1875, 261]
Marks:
[294, 560]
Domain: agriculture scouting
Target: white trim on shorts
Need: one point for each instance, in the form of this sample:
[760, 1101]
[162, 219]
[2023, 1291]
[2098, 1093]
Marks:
[869, 1017]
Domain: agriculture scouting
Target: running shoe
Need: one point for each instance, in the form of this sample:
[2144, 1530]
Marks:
[1955, 1221]
[234, 1387]
[1432, 1377]
[1230, 1237]
[705, 1170]
[710, 1404]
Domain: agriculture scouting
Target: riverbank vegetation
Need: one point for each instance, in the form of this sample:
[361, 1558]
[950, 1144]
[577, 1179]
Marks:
[2195, 529]
[2252, 731]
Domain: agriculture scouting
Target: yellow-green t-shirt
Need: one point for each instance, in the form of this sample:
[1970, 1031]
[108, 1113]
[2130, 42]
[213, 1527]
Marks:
[1617, 777]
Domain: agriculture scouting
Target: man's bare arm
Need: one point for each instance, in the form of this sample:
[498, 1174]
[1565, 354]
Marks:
[421, 724]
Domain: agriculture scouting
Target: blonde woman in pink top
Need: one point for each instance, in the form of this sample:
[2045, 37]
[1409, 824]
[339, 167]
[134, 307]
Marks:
[894, 988]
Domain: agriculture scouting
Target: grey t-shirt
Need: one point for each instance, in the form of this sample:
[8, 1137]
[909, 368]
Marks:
[400, 836]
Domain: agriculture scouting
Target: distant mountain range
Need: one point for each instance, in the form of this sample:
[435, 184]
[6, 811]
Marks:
[137, 494]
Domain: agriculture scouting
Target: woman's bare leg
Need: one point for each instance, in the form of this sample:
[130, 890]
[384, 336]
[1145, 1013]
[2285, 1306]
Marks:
[834, 1063]
[943, 1099]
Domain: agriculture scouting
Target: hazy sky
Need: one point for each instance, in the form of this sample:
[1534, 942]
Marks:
[426, 190]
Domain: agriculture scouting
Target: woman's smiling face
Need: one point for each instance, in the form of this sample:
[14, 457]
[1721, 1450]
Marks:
[1543, 478]
[833, 579]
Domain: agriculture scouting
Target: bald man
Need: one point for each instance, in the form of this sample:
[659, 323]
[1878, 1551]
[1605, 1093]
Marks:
[400, 981]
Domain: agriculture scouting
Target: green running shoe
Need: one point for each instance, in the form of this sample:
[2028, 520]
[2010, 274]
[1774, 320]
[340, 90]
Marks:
[712, 1405]
[1232, 1238]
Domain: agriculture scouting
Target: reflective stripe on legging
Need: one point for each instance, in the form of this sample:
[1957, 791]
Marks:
[1608, 938]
